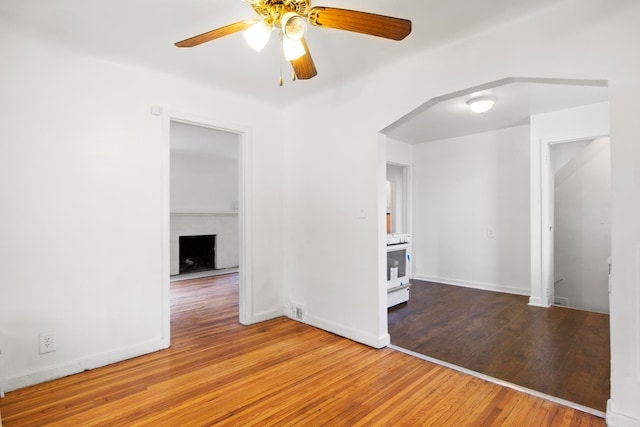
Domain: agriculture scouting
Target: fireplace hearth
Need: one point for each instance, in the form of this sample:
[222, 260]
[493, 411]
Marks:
[197, 253]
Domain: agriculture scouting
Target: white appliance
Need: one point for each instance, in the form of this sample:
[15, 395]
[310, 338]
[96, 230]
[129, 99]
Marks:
[398, 268]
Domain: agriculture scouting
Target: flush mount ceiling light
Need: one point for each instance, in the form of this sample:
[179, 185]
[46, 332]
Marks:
[482, 104]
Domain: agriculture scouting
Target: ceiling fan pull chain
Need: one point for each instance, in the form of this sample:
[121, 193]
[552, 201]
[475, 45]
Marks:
[281, 80]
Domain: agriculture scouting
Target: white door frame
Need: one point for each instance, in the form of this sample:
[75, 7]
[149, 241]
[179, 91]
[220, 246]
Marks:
[542, 202]
[244, 215]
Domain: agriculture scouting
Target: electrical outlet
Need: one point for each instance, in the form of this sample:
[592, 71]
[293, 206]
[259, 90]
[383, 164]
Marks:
[297, 312]
[47, 342]
[561, 301]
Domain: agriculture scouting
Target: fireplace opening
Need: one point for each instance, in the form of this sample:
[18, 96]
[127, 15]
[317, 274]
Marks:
[197, 253]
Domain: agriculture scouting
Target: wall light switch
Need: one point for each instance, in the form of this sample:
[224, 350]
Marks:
[362, 214]
[491, 233]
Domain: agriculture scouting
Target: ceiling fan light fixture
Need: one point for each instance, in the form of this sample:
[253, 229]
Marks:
[292, 18]
[293, 49]
[293, 25]
[257, 35]
[482, 104]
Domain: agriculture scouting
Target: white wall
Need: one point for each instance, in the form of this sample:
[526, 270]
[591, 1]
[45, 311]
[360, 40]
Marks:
[204, 169]
[332, 173]
[572, 124]
[399, 152]
[83, 164]
[561, 154]
[471, 211]
[582, 224]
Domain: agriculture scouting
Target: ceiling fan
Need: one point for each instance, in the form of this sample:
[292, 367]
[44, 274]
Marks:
[292, 16]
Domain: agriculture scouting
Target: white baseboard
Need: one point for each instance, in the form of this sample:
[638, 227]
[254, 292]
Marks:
[73, 367]
[266, 315]
[538, 302]
[619, 420]
[475, 285]
[346, 332]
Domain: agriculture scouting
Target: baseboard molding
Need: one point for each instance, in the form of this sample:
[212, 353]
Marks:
[335, 328]
[73, 367]
[266, 315]
[475, 285]
[346, 332]
[619, 420]
[539, 302]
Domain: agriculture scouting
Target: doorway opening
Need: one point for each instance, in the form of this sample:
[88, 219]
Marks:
[398, 239]
[478, 227]
[206, 191]
[204, 200]
[580, 194]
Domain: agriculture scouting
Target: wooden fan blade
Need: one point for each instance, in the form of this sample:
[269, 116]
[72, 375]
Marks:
[360, 22]
[304, 66]
[216, 34]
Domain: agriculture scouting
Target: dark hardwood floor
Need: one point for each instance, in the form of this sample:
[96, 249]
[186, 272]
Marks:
[276, 373]
[558, 351]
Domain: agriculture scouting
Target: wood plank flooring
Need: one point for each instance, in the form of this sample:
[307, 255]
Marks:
[558, 351]
[275, 373]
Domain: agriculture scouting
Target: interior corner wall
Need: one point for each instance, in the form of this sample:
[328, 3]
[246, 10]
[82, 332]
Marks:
[471, 211]
[82, 169]
[333, 173]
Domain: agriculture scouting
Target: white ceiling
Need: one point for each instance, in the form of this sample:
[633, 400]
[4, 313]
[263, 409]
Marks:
[142, 32]
[449, 116]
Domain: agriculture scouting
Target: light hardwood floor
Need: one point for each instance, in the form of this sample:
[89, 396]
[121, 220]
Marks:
[275, 373]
